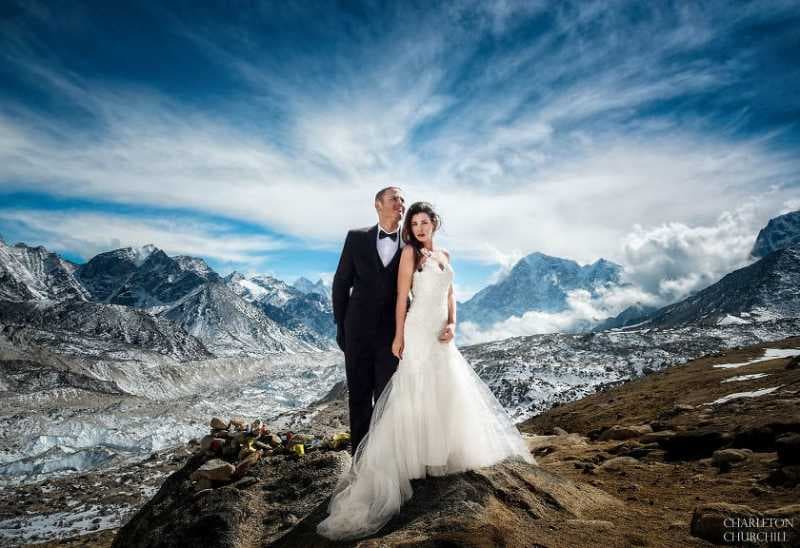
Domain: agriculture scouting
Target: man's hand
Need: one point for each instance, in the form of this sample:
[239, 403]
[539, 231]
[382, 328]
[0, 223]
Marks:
[448, 333]
[397, 347]
[340, 337]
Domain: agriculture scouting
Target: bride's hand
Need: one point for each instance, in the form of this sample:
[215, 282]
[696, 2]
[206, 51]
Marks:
[448, 333]
[397, 347]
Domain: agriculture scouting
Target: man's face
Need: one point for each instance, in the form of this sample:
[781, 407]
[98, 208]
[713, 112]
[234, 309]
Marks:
[392, 204]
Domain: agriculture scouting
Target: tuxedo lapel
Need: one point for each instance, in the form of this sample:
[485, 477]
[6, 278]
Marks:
[372, 238]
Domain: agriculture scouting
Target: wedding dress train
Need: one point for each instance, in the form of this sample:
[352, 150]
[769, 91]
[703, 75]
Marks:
[435, 417]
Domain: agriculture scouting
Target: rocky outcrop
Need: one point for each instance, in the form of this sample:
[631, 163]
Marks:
[512, 502]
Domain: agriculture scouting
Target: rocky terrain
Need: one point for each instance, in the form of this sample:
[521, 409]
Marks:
[658, 461]
[780, 232]
[530, 374]
[764, 290]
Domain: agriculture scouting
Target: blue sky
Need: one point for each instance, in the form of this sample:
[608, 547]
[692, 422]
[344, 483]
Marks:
[658, 135]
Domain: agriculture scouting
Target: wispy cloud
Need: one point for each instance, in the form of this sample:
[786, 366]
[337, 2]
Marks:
[87, 234]
[568, 130]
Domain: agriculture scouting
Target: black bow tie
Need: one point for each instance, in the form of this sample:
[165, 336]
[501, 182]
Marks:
[382, 235]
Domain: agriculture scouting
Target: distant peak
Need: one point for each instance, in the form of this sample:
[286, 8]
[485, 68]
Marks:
[235, 276]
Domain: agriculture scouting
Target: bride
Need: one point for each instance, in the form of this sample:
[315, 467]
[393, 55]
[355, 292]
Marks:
[435, 416]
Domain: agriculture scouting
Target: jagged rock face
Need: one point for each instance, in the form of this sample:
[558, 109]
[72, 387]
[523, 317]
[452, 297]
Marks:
[308, 314]
[307, 286]
[765, 290]
[537, 282]
[228, 325]
[196, 265]
[143, 277]
[631, 316]
[262, 289]
[159, 280]
[106, 272]
[27, 377]
[781, 232]
[30, 273]
[95, 329]
[512, 501]
[310, 311]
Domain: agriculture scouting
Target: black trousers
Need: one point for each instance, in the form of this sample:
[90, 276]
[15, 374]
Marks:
[369, 364]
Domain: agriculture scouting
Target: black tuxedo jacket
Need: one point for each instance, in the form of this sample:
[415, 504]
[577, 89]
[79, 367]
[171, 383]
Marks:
[370, 308]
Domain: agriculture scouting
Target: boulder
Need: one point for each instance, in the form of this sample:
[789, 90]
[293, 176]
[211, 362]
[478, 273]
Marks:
[723, 458]
[620, 432]
[214, 470]
[763, 437]
[693, 444]
[218, 424]
[245, 464]
[211, 443]
[619, 464]
[543, 445]
[788, 447]
[656, 436]
[785, 476]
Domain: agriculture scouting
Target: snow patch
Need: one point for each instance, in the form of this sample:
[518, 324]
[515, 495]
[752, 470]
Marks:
[731, 320]
[739, 378]
[769, 354]
[737, 395]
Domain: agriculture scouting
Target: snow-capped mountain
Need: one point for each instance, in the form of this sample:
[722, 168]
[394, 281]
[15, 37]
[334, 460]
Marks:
[33, 273]
[196, 265]
[261, 288]
[780, 232]
[143, 279]
[537, 282]
[307, 286]
[765, 290]
[309, 313]
[229, 325]
[106, 272]
[139, 300]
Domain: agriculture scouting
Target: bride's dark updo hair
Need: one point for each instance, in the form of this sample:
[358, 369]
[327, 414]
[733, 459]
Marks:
[408, 235]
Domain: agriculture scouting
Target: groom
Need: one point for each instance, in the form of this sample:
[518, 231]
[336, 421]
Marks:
[364, 295]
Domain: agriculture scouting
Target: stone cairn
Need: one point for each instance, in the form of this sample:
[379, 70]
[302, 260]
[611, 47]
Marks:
[233, 447]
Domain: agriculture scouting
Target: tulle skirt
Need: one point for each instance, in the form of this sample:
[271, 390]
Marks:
[435, 417]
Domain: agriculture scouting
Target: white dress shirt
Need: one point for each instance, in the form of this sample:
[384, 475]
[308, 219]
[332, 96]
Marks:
[386, 246]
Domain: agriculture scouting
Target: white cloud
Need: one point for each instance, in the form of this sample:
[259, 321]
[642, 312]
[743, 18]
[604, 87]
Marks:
[663, 264]
[90, 233]
[673, 260]
[516, 159]
[583, 311]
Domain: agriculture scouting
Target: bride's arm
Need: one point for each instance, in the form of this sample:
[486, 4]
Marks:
[404, 273]
[449, 330]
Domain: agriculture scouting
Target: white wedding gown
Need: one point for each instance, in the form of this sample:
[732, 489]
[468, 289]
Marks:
[435, 417]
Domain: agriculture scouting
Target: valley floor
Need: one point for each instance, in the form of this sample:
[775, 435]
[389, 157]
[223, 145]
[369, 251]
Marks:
[659, 492]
